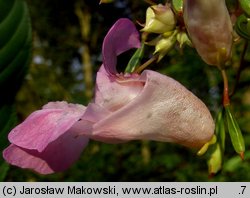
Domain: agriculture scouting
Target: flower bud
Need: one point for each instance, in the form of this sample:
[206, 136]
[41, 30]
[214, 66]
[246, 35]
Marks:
[159, 19]
[210, 29]
[164, 45]
[182, 38]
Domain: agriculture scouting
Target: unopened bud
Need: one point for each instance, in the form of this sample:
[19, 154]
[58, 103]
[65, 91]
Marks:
[159, 19]
[210, 29]
[164, 45]
[182, 38]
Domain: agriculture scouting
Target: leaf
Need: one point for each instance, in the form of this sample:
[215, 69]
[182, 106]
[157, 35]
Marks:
[5, 8]
[7, 121]
[15, 47]
[135, 60]
[245, 5]
[235, 163]
[177, 6]
[4, 167]
[15, 56]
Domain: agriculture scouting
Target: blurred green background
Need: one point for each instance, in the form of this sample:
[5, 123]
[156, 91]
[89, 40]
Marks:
[67, 39]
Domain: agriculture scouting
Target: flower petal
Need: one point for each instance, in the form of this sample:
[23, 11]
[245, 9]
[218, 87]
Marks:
[121, 37]
[46, 125]
[94, 113]
[112, 94]
[163, 111]
[56, 157]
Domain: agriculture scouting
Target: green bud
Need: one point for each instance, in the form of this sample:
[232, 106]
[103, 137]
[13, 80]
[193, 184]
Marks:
[164, 45]
[210, 29]
[235, 132]
[159, 19]
[182, 38]
[245, 5]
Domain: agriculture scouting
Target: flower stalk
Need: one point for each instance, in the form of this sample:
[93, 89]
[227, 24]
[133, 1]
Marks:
[146, 64]
[226, 99]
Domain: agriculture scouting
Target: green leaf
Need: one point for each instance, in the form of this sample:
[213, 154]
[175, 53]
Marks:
[10, 21]
[245, 5]
[15, 56]
[4, 167]
[177, 5]
[5, 8]
[235, 163]
[14, 34]
[135, 60]
[15, 47]
[8, 120]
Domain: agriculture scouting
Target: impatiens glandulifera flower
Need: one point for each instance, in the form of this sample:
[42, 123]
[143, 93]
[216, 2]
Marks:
[146, 106]
[210, 29]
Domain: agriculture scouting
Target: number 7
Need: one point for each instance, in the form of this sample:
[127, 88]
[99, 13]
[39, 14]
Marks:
[243, 189]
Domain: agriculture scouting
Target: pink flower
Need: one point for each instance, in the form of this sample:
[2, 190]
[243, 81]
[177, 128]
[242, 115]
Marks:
[126, 107]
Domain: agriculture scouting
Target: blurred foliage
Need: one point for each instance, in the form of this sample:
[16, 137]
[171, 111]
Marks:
[15, 54]
[57, 73]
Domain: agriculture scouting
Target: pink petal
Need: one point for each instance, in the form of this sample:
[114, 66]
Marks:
[112, 94]
[93, 114]
[46, 125]
[62, 105]
[121, 37]
[56, 157]
[163, 111]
